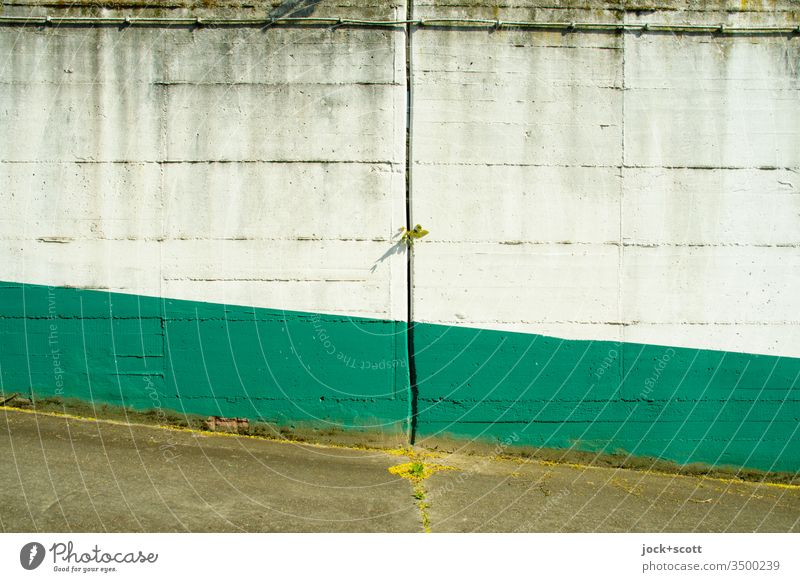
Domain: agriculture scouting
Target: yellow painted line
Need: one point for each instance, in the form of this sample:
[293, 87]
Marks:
[399, 452]
[204, 433]
[728, 480]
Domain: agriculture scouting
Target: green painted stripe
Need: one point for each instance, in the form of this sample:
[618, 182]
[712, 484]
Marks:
[204, 358]
[684, 405]
[327, 371]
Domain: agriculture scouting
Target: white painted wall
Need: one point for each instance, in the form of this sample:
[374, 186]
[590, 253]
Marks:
[230, 165]
[639, 187]
[599, 186]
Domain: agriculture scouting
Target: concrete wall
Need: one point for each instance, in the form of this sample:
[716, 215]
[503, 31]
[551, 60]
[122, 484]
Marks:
[213, 160]
[640, 189]
[614, 223]
[225, 166]
[626, 182]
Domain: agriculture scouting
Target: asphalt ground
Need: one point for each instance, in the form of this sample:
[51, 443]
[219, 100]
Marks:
[67, 474]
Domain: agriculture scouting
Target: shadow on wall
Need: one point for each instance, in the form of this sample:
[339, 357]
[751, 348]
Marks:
[294, 8]
[397, 248]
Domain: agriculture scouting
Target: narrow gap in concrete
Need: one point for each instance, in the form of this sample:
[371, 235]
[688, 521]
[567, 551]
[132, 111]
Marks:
[412, 369]
[416, 471]
[621, 249]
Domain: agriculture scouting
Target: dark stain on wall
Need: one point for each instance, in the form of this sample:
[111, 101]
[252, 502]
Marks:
[294, 8]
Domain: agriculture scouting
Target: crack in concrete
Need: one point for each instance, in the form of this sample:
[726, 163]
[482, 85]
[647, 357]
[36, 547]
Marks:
[416, 471]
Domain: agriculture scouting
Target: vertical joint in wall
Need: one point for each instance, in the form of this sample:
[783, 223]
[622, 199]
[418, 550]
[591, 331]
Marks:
[621, 247]
[412, 372]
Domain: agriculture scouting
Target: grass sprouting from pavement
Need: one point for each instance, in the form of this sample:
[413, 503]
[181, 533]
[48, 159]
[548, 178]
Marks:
[416, 471]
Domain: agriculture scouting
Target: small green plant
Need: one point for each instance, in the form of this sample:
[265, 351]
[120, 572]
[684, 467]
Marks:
[417, 470]
[410, 236]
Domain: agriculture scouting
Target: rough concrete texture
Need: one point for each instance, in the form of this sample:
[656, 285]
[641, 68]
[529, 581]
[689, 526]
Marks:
[596, 177]
[234, 165]
[69, 475]
[491, 495]
[61, 474]
[322, 372]
[375, 9]
[575, 172]
[330, 374]
[631, 188]
[637, 187]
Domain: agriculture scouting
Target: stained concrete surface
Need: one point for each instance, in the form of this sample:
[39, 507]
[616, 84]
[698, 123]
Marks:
[528, 496]
[636, 187]
[62, 474]
[67, 474]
